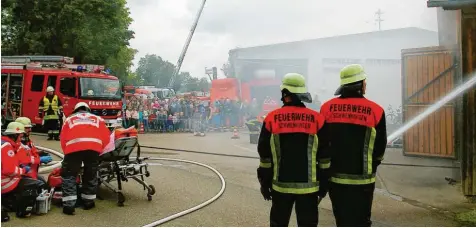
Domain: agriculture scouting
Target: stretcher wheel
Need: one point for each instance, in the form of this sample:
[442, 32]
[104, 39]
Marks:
[120, 199]
[152, 190]
[149, 197]
[147, 173]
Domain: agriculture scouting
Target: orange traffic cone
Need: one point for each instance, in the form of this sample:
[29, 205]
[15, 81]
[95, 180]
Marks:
[235, 134]
[141, 131]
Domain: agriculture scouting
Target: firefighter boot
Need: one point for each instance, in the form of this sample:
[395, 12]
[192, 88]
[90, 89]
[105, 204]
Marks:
[5, 216]
[89, 204]
[50, 136]
[68, 210]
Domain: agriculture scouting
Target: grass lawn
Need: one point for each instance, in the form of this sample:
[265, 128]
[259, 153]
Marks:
[467, 218]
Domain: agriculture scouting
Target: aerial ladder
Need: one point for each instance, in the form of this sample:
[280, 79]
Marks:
[185, 47]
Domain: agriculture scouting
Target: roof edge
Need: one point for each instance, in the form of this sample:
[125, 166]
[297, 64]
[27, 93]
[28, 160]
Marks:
[450, 4]
[329, 37]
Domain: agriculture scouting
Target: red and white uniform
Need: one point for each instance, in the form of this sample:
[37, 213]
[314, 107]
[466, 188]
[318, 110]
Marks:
[84, 131]
[28, 155]
[11, 171]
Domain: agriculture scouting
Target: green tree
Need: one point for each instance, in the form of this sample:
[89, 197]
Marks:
[154, 71]
[133, 79]
[204, 84]
[121, 64]
[195, 84]
[93, 31]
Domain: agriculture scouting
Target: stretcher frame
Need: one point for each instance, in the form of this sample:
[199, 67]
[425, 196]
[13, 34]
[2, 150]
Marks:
[117, 165]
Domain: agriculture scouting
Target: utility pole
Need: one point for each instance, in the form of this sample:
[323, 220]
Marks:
[379, 18]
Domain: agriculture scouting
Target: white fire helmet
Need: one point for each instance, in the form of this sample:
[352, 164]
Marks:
[81, 105]
[90, 92]
[50, 89]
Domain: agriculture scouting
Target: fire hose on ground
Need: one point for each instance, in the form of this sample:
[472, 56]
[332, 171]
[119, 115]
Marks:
[54, 164]
[255, 157]
[192, 209]
[170, 217]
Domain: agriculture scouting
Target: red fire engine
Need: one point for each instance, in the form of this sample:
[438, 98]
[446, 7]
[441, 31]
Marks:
[265, 91]
[25, 79]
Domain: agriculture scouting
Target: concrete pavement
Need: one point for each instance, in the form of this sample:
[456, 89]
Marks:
[181, 186]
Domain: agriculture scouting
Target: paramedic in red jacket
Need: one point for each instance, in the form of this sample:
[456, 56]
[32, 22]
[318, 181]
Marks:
[11, 170]
[83, 137]
[29, 153]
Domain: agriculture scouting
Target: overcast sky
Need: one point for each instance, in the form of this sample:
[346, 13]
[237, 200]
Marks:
[162, 26]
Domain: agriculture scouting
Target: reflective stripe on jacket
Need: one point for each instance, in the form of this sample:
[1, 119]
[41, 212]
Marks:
[11, 171]
[84, 131]
[51, 108]
[358, 139]
[293, 143]
[28, 155]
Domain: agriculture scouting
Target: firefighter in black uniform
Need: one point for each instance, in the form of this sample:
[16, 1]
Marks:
[294, 158]
[358, 140]
[50, 109]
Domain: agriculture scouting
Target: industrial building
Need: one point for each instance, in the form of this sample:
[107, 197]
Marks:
[320, 60]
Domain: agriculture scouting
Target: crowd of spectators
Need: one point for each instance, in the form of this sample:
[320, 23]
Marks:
[180, 114]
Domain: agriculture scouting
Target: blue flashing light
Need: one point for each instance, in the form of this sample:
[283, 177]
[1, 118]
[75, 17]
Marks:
[79, 69]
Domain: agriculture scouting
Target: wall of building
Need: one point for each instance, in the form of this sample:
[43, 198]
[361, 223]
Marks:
[379, 52]
[448, 26]
[468, 147]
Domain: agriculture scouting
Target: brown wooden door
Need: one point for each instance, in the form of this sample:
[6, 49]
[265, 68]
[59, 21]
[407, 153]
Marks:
[428, 74]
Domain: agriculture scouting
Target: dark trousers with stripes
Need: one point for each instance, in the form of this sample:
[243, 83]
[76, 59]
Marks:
[352, 204]
[52, 126]
[23, 196]
[70, 169]
[282, 206]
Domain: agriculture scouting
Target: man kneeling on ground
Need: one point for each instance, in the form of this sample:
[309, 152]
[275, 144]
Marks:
[29, 154]
[19, 192]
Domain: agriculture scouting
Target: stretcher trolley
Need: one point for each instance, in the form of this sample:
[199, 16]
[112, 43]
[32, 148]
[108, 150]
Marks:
[117, 164]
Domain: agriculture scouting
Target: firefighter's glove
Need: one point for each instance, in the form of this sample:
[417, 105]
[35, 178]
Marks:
[265, 176]
[375, 165]
[266, 192]
[46, 159]
[40, 114]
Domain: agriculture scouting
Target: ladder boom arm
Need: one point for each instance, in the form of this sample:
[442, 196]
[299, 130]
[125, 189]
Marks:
[185, 47]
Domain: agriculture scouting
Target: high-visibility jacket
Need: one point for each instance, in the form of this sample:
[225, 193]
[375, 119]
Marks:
[293, 143]
[358, 138]
[11, 170]
[254, 125]
[50, 107]
[84, 131]
[28, 155]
